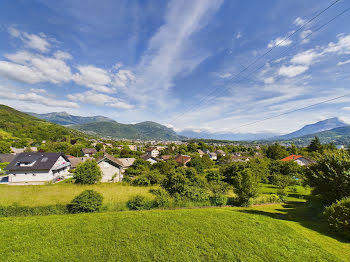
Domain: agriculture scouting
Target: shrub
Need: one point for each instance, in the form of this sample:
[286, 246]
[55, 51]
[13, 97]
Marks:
[139, 203]
[16, 210]
[141, 180]
[246, 186]
[338, 217]
[218, 199]
[266, 199]
[330, 176]
[162, 199]
[281, 181]
[87, 173]
[86, 202]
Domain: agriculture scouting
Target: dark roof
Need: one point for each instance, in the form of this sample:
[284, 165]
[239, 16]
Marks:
[89, 150]
[110, 158]
[43, 161]
[150, 149]
[74, 161]
[6, 158]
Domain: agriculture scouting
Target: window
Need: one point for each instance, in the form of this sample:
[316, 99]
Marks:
[33, 174]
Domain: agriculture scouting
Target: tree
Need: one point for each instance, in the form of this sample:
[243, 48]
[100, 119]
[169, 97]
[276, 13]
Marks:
[315, 145]
[5, 147]
[276, 151]
[86, 202]
[87, 173]
[246, 185]
[196, 163]
[293, 149]
[330, 176]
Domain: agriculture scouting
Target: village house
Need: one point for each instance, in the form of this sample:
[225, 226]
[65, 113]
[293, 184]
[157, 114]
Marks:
[200, 152]
[299, 159]
[166, 157]
[213, 156]
[113, 168]
[182, 159]
[37, 168]
[15, 150]
[6, 158]
[89, 152]
[152, 151]
[220, 152]
[149, 158]
[74, 161]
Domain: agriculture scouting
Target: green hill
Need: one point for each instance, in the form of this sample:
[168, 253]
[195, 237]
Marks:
[63, 118]
[17, 125]
[144, 130]
[209, 234]
[339, 136]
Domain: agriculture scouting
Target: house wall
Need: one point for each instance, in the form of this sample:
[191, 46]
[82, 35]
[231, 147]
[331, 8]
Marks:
[154, 153]
[37, 176]
[108, 171]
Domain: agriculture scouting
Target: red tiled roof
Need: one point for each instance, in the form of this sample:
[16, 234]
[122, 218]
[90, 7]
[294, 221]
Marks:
[291, 157]
[181, 159]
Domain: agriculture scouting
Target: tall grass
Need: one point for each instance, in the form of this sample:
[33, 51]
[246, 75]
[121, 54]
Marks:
[114, 194]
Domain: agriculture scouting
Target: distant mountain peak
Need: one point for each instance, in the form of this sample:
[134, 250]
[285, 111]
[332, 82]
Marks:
[323, 125]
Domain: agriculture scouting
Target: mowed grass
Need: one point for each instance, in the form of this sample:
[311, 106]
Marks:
[207, 234]
[42, 195]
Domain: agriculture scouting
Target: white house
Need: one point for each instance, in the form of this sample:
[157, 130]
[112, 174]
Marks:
[152, 151]
[113, 168]
[149, 158]
[89, 152]
[37, 168]
[213, 156]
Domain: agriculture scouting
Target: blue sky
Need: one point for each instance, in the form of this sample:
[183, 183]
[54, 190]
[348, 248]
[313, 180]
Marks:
[157, 60]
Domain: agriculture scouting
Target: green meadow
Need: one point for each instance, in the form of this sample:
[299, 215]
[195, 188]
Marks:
[62, 193]
[262, 233]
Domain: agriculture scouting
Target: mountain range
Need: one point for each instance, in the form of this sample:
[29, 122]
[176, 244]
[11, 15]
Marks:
[106, 127]
[63, 118]
[329, 130]
[317, 127]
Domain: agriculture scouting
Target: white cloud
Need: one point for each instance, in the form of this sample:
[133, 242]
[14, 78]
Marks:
[347, 108]
[292, 71]
[305, 58]
[279, 41]
[38, 90]
[344, 62]
[299, 21]
[94, 78]
[92, 97]
[123, 78]
[37, 42]
[303, 35]
[238, 35]
[33, 97]
[341, 47]
[226, 75]
[170, 51]
[61, 55]
[269, 80]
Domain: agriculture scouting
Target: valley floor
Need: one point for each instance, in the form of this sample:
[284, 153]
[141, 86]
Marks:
[262, 233]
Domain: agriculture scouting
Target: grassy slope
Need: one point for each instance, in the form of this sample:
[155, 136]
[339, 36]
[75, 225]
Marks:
[64, 193]
[212, 234]
[14, 124]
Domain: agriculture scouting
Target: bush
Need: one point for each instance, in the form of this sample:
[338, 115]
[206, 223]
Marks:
[338, 217]
[15, 210]
[162, 199]
[139, 203]
[87, 173]
[266, 199]
[218, 199]
[330, 176]
[141, 180]
[246, 186]
[86, 202]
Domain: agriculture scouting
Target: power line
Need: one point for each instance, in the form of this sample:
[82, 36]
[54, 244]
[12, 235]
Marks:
[259, 58]
[287, 49]
[292, 111]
